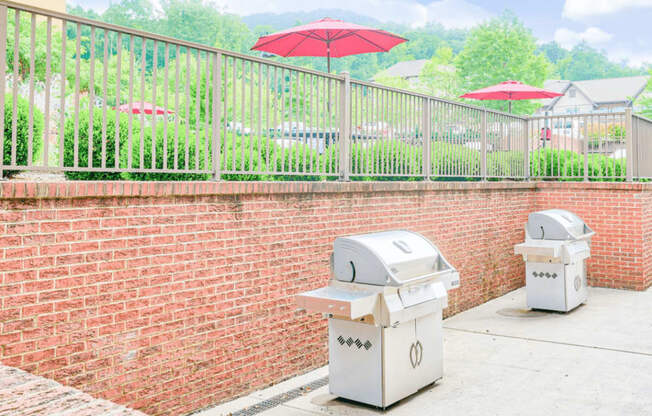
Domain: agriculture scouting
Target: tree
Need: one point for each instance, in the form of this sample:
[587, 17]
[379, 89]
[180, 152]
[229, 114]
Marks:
[136, 14]
[439, 76]
[644, 101]
[500, 50]
[584, 62]
[553, 51]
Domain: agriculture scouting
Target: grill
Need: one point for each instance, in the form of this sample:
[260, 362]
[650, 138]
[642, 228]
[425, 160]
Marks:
[384, 303]
[557, 244]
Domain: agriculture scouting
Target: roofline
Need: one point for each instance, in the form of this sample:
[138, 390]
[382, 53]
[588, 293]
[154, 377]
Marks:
[584, 94]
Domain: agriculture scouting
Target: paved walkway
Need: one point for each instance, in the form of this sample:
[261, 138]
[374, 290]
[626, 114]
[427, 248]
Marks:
[23, 394]
[502, 360]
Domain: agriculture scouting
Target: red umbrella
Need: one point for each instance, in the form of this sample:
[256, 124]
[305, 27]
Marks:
[329, 38]
[510, 90]
[148, 108]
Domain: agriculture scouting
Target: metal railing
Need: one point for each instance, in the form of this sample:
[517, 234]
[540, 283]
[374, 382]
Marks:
[590, 146]
[641, 147]
[71, 89]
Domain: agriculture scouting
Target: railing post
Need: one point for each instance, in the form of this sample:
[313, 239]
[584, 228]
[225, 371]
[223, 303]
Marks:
[526, 148]
[3, 80]
[345, 127]
[217, 111]
[585, 148]
[629, 143]
[427, 168]
[483, 146]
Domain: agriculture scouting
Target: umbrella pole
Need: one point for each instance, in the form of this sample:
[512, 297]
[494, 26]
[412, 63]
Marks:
[328, 61]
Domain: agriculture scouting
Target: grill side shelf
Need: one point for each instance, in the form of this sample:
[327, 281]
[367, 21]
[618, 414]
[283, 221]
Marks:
[330, 300]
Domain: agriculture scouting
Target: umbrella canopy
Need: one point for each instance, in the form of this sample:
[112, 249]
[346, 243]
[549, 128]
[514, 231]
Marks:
[329, 38]
[147, 108]
[510, 90]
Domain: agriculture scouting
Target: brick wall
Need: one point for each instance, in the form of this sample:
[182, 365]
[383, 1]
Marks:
[621, 216]
[169, 297]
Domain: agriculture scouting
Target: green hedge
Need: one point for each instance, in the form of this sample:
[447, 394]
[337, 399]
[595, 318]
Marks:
[259, 154]
[22, 132]
[570, 165]
[253, 154]
[82, 146]
[391, 157]
[196, 147]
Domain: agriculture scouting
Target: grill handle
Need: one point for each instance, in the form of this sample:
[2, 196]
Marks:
[413, 355]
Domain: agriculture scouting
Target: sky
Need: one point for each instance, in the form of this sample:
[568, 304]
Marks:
[620, 27]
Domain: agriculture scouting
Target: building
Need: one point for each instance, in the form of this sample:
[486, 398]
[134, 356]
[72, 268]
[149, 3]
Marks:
[407, 70]
[593, 96]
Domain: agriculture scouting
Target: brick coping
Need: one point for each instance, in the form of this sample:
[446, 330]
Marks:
[112, 189]
[25, 393]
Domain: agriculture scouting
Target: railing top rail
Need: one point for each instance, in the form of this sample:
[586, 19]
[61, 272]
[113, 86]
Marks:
[432, 97]
[578, 115]
[161, 38]
[642, 118]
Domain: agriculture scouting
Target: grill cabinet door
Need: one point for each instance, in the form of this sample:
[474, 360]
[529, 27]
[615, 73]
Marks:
[354, 351]
[429, 337]
[398, 374]
[576, 286]
[545, 286]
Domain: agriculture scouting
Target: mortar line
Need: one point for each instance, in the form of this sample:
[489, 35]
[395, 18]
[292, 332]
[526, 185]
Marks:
[470, 331]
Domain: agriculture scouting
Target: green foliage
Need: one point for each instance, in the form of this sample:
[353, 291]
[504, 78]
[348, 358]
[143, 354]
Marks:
[24, 46]
[568, 165]
[644, 101]
[584, 62]
[22, 132]
[392, 157]
[502, 49]
[454, 160]
[164, 150]
[96, 143]
[438, 76]
[553, 51]
[258, 154]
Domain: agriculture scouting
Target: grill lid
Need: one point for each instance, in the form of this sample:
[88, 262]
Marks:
[390, 258]
[556, 224]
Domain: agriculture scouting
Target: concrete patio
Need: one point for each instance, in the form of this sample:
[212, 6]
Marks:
[500, 359]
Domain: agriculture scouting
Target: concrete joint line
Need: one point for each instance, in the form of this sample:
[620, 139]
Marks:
[470, 331]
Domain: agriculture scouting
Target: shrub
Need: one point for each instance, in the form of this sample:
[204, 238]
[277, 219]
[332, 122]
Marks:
[231, 157]
[298, 157]
[22, 132]
[164, 147]
[507, 164]
[82, 146]
[390, 157]
[262, 156]
[549, 163]
[455, 161]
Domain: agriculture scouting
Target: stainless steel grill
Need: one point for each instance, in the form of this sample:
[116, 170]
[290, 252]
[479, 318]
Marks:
[557, 244]
[384, 304]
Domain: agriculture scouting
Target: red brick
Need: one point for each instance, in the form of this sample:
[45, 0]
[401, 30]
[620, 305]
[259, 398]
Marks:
[185, 296]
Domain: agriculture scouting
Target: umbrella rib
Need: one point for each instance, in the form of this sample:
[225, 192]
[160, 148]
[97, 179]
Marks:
[288, 53]
[372, 43]
[273, 40]
[335, 36]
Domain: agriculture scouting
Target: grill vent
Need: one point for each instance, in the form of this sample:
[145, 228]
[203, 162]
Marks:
[357, 342]
[544, 274]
